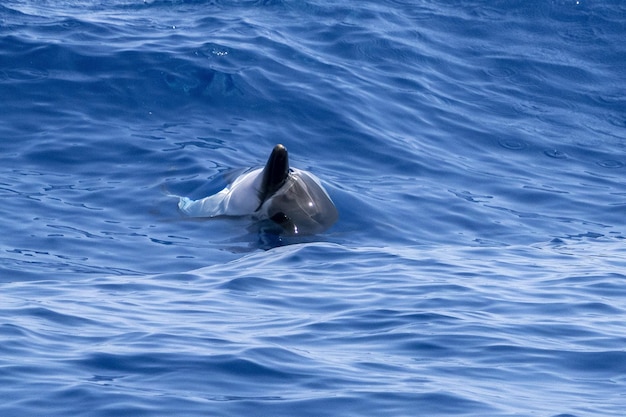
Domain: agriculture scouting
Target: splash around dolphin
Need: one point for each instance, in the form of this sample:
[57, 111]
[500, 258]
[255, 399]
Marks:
[291, 199]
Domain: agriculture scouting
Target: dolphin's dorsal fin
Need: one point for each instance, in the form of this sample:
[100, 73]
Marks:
[275, 172]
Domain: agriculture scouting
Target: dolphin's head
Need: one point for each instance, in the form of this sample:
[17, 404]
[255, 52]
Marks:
[301, 206]
[294, 199]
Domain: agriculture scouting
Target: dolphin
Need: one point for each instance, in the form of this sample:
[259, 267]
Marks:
[290, 198]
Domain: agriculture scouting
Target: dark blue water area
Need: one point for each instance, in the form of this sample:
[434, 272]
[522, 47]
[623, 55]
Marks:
[476, 152]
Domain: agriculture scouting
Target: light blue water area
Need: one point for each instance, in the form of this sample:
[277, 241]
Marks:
[476, 152]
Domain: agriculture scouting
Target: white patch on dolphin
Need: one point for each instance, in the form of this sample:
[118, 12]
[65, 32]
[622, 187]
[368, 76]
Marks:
[291, 198]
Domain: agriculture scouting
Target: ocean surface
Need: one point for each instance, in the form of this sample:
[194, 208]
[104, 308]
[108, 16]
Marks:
[475, 150]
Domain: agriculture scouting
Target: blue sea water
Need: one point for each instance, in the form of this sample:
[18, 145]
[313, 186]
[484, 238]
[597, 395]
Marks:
[476, 152]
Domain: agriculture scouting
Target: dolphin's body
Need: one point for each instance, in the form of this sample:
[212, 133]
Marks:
[293, 199]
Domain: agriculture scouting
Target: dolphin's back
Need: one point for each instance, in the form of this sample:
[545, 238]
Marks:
[238, 199]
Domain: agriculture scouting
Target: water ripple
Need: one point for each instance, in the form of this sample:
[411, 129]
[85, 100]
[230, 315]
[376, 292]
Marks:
[474, 154]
